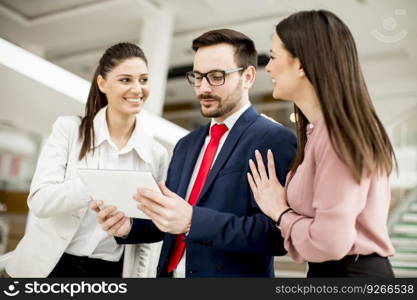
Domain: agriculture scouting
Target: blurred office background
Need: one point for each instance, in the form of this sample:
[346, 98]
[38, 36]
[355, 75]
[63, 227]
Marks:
[50, 48]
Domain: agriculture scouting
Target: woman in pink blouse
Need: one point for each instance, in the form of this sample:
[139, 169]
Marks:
[333, 211]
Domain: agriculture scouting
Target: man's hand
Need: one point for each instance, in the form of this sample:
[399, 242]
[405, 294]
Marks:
[112, 221]
[169, 212]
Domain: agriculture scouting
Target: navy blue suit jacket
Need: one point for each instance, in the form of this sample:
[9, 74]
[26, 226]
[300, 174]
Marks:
[229, 235]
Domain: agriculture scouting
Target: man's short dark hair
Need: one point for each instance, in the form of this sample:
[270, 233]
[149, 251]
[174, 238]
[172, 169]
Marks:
[245, 51]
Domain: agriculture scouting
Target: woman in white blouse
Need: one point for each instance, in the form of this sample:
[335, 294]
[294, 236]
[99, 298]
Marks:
[65, 239]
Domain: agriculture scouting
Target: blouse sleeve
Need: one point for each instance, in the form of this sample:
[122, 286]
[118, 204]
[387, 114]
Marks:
[50, 194]
[337, 201]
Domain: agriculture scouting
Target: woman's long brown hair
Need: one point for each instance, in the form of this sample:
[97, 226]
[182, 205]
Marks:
[327, 52]
[96, 100]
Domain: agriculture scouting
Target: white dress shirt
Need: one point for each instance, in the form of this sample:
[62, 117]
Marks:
[90, 239]
[179, 272]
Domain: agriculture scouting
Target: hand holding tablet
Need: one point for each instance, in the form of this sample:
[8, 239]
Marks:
[115, 187]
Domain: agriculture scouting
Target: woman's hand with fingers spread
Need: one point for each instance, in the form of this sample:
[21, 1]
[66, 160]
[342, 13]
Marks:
[269, 194]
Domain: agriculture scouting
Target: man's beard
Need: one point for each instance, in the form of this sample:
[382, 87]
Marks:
[225, 106]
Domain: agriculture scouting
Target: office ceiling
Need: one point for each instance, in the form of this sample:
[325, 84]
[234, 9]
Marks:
[74, 33]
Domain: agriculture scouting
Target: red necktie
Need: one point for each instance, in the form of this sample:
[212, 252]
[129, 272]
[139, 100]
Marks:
[216, 132]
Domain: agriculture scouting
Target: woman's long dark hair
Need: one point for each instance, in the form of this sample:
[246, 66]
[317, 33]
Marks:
[96, 100]
[327, 52]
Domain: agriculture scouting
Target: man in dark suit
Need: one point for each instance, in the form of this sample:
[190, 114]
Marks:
[218, 231]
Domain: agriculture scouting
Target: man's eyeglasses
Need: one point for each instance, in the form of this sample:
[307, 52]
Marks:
[214, 77]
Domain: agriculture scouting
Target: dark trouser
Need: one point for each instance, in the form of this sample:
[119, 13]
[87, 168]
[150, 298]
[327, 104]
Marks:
[82, 266]
[371, 265]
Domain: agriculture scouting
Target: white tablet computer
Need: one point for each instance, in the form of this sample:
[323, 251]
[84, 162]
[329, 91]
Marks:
[116, 187]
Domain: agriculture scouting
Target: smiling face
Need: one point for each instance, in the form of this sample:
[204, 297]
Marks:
[285, 71]
[218, 101]
[126, 86]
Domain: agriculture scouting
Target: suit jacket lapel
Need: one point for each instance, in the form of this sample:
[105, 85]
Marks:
[190, 159]
[245, 120]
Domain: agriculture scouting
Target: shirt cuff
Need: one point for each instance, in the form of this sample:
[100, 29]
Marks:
[81, 190]
[287, 220]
